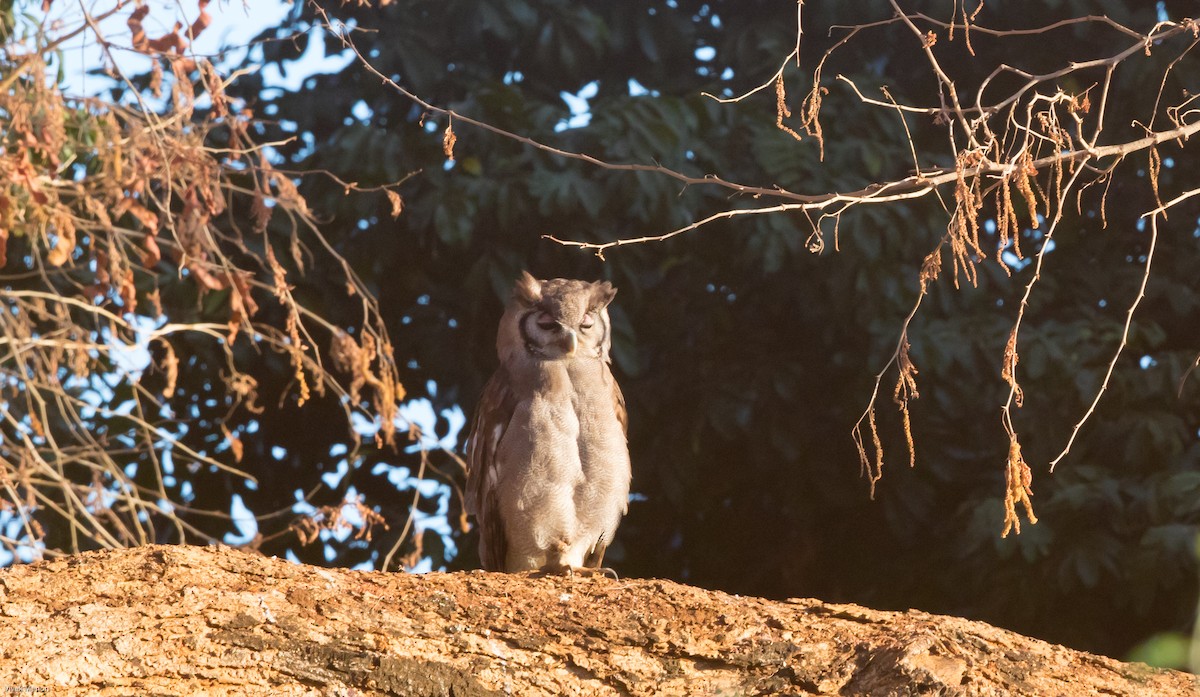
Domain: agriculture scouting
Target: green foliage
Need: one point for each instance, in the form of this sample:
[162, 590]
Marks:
[746, 358]
[1167, 650]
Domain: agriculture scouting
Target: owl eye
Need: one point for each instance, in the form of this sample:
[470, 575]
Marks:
[546, 322]
[588, 320]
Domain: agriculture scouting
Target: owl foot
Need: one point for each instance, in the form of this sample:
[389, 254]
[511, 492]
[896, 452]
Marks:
[568, 570]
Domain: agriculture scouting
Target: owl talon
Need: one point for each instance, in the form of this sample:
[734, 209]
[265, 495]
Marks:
[606, 571]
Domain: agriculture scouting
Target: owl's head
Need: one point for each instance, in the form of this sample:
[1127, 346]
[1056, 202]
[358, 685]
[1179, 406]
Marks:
[556, 319]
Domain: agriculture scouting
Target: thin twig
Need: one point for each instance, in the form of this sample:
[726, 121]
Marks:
[1112, 364]
[710, 179]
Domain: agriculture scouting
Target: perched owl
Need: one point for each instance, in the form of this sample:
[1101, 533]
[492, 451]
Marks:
[548, 466]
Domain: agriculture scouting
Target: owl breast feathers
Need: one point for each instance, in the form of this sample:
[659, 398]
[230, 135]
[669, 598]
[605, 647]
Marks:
[548, 465]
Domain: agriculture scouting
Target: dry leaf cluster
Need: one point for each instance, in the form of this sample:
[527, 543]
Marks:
[103, 207]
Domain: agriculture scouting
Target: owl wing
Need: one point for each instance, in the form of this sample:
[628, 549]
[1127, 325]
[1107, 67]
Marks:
[618, 403]
[491, 421]
[595, 556]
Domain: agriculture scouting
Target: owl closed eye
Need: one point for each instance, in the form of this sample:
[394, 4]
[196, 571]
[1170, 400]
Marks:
[562, 317]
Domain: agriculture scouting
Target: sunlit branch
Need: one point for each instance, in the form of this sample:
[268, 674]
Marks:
[908, 188]
[1089, 19]
[1112, 364]
[947, 84]
[755, 90]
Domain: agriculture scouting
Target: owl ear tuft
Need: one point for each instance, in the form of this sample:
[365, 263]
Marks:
[528, 289]
[602, 294]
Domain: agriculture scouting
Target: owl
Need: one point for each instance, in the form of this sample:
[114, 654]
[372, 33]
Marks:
[547, 461]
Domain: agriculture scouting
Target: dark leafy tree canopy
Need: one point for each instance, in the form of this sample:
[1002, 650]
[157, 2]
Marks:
[748, 347]
[747, 357]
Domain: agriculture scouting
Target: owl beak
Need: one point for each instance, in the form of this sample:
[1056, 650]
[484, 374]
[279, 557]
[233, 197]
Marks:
[570, 341]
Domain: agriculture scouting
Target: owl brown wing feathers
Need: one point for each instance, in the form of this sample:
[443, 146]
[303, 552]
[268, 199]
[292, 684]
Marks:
[618, 403]
[495, 410]
[595, 556]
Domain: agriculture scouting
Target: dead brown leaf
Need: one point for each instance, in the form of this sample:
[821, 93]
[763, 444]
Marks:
[448, 141]
[397, 203]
